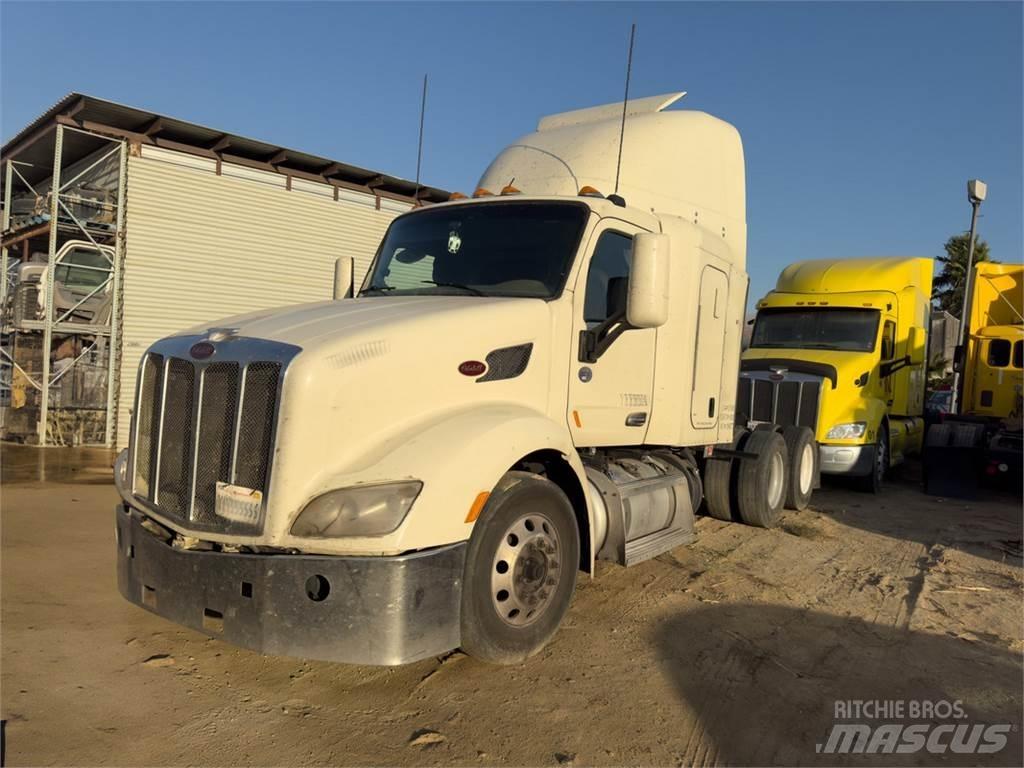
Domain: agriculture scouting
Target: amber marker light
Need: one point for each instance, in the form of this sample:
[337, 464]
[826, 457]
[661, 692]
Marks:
[478, 506]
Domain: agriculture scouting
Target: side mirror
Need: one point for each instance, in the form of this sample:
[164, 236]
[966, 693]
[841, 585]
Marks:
[344, 270]
[647, 301]
[958, 359]
[916, 345]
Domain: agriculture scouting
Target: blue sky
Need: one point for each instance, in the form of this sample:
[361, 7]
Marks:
[861, 121]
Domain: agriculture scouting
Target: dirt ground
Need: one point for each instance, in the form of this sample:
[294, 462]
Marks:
[733, 650]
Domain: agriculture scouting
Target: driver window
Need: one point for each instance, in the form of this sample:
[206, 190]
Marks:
[611, 259]
[889, 340]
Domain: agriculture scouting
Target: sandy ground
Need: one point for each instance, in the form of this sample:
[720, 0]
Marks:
[730, 651]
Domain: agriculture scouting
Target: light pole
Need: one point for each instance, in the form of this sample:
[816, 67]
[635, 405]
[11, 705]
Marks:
[976, 190]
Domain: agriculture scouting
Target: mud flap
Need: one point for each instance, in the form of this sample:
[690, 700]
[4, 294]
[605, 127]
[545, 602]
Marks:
[951, 459]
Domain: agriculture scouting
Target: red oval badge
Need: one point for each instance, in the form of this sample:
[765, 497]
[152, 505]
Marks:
[202, 350]
[472, 368]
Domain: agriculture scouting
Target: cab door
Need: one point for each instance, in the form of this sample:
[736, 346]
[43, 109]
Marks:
[707, 368]
[610, 399]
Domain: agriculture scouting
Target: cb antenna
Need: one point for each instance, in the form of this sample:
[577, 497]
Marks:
[625, 101]
[419, 149]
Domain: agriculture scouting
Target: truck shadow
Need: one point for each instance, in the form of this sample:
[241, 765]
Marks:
[990, 527]
[764, 682]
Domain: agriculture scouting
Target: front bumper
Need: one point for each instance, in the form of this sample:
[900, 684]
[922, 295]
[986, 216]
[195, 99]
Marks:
[853, 460]
[358, 610]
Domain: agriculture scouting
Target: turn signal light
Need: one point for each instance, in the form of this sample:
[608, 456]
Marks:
[588, 191]
[481, 192]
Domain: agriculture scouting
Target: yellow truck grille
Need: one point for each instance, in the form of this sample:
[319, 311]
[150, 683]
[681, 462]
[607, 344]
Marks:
[787, 403]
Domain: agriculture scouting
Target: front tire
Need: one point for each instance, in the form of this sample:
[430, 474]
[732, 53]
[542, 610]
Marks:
[520, 570]
[872, 483]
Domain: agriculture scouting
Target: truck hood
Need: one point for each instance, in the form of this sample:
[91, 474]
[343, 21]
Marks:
[325, 323]
[373, 373]
[841, 368]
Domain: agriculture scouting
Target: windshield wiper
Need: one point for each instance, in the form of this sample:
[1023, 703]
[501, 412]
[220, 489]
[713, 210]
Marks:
[457, 286]
[377, 288]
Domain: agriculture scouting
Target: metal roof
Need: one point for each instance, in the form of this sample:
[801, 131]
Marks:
[34, 144]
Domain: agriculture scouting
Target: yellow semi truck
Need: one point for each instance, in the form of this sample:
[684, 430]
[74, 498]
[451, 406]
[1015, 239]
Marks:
[839, 346]
[983, 435]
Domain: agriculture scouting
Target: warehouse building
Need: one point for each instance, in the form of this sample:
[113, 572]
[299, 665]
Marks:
[121, 226]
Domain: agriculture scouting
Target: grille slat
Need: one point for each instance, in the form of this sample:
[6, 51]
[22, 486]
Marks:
[151, 387]
[200, 424]
[174, 484]
[256, 424]
[216, 432]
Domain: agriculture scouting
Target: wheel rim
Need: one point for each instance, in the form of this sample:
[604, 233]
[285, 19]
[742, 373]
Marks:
[776, 480]
[806, 468]
[526, 570]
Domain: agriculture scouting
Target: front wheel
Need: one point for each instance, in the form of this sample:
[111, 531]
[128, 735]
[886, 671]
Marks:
[872, 483]
[520, 570]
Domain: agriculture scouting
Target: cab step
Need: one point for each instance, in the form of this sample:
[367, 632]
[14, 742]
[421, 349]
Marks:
[657, 543]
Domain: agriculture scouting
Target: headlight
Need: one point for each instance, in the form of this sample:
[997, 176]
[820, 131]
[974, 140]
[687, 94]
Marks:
[367, 510]
[847, 431]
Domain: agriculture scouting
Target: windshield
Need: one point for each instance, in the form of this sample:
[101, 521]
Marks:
[491, 249]
[852, 330]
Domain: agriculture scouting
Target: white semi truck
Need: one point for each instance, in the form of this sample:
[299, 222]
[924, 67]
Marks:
[526, 382]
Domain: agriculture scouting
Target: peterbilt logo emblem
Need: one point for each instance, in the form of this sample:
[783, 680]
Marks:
[202, 350]
[472, 368]
[778, 373]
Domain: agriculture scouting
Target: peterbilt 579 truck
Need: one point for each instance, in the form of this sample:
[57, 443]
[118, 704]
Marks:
[527, 381]
[839, 346]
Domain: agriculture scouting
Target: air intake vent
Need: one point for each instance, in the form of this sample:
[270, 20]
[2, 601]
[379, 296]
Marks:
[507, 362]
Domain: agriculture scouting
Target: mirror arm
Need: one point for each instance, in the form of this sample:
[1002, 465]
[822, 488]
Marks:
[595, 342]
[891, 367]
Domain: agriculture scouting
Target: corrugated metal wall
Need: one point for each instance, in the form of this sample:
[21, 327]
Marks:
[201, 246]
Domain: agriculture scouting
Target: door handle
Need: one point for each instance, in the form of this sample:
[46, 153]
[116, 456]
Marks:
[637, 419]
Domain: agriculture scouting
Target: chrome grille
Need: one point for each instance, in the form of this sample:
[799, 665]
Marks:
[200, 423]
[791, 402]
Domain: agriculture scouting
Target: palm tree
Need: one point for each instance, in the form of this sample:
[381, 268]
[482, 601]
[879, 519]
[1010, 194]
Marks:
[948, 286]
